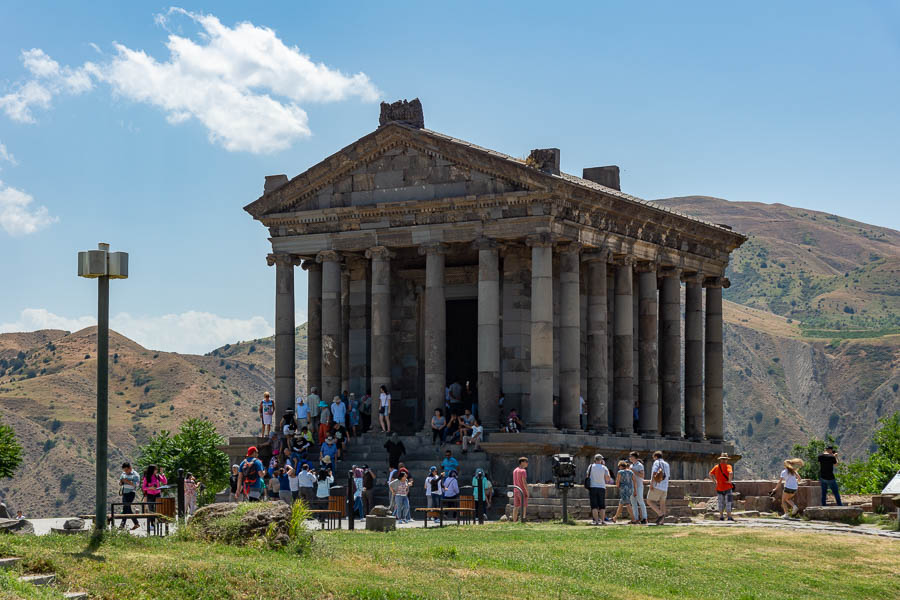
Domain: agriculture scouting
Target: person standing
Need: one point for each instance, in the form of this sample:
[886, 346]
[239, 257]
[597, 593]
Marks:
[293, 480]
[401, 497]
[582, 412]
[659, 486]
[625, 483]
[307, 481]
[312, 404]
[432, 491]
[451, 490]
[338, 411]
[266, 411]
[365, 411]
[151, 485]
[789, 482]
[250, 480]
[353, 418]
[190, 493]
[368, 485]
[520, 491]
[637, 500]
[827, 461]
[722, 475]
[233, 482]
[598, 478]
[395, 449]
[301, 413]
[284, 483]
[384, 410]
[130, 481]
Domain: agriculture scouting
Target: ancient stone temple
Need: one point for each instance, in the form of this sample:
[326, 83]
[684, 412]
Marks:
[433, 260]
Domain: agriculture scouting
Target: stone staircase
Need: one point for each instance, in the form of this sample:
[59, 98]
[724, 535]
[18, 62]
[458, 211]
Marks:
[368, 449]
[39, 579]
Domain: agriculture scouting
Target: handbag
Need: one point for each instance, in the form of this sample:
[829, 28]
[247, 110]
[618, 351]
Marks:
[587, 477]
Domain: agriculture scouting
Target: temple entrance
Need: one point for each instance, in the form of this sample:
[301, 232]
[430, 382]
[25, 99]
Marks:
[462, 341]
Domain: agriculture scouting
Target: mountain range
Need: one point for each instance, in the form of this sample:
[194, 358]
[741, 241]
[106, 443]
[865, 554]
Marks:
[812, 345]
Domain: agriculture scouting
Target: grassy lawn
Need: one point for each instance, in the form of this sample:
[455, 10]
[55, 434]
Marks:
[496, 561]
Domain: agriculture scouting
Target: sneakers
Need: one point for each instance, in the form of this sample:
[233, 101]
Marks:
[731, 519]
[721, 518]
[644, 522]
[660, 519]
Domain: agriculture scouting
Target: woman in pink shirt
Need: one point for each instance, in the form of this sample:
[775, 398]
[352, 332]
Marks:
[520, 491]
[151, 483]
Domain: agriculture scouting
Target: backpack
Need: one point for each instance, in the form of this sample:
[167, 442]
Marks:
[660, 475]
[250, 473]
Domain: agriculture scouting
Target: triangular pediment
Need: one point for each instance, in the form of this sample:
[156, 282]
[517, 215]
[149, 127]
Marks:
[397, 164]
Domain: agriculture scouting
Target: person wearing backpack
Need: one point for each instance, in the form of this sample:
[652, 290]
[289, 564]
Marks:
[250, 479]
[596, 479]
[432, 492]
[659, 487]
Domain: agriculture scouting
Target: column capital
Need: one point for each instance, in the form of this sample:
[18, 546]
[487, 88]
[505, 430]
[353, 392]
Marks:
[311, 265]
[645, 266]
[539, 240]
[716, 282]
[432, 248]
[380, 252]
[623, 260]
[485, 243]
[669, 271]
[328, 256]
[570, 246]
[695, 277]
[282, 259]
[601, 254]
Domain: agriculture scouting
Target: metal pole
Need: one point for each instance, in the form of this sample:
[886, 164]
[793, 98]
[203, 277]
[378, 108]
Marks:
[102, 398]
[350, 484]
[565, 503]
[180, 494]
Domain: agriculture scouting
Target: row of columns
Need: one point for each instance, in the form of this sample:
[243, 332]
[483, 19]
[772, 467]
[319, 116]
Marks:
[658, 344]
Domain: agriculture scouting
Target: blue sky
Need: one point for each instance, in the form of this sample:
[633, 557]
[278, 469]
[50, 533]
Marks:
[111, 130]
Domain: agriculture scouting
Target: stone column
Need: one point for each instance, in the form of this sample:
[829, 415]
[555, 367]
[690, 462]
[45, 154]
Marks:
[285, 385]
[540, 404]
[623, 351]
[345, 329]
[693, 357]
[570, 336]
[597, 357]
[714, 408]
[648, 329]
[488, 333]
[331, 324]
[313, 325]
[381, 319]
[435, 329]
[670, 351]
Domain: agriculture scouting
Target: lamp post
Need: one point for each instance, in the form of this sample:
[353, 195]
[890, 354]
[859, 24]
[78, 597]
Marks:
[102, 265]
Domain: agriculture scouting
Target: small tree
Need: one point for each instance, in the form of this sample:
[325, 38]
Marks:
[872, 475]
[10, 452]
[810, 455]
[195, 449]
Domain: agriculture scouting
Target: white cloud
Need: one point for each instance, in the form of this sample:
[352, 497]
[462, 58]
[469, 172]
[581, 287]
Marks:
[191, 332]
[6, 156]
[243, 83]
[17, 217]
[49, 80]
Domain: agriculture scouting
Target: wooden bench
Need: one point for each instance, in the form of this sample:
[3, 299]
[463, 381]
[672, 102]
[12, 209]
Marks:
[328, 518]
[463, 514]
[156, 522]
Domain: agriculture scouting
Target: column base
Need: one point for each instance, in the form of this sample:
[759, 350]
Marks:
[624, 432]
[714, 441]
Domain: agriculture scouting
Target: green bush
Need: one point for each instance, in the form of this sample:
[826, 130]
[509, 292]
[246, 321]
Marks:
[810, 455]
[872, 475]
[10, 452]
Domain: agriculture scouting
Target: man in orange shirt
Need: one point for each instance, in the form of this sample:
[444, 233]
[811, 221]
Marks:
[722, 475]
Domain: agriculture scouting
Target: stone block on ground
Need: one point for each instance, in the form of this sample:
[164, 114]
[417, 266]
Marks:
[380, 511]
[262, 521]
[381, 523]
[74, 524]
[16, 526]
[833, 513]
[9, 563]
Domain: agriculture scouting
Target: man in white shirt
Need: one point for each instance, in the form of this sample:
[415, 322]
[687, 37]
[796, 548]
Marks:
[656, 496]
[474, 437]
[598, 476]
[338, 411]
[307, 481]
[301, 412]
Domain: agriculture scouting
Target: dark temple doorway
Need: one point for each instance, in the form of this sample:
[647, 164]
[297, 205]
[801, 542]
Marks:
[462, 342]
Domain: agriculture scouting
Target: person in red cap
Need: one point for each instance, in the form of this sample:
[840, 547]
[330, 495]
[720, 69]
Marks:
[250, 478]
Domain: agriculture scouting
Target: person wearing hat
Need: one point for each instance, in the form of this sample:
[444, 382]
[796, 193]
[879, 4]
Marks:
[598, 478]
[312, 404]
[722, 475]
[250, 479]
[433, 491]
[328, 450]
[789, 480]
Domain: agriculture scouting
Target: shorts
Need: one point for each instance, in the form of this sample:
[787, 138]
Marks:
[519, 499]
[267, 419]
[790, 491]
[656, 494]
[725, 499]
[598, 498]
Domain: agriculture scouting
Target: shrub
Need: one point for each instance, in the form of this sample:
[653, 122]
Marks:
[810, 455]
[49, 445]
[10, 452]
[872, 475]
[65, 481]
[758, 417]
[55, 424]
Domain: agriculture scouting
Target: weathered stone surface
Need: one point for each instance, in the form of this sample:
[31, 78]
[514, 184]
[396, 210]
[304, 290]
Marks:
[16, 526]
[374, 523]
[409, 112]
[833, 513]
[380, 511]
[74, 524]
[214, 523]
[4, 512]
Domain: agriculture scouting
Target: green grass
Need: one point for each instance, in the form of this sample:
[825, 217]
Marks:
[546, 562]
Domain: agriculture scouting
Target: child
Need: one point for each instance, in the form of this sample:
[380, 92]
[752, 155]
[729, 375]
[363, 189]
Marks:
[625, 482]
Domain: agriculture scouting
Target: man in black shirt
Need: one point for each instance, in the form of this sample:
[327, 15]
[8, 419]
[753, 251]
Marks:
[395, 449]
[368, 494]
[827, 460]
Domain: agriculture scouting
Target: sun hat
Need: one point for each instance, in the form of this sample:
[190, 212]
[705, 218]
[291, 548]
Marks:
[724, 456]
[326, 460]
[432, 468]
[251, 450]
[329, 439]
